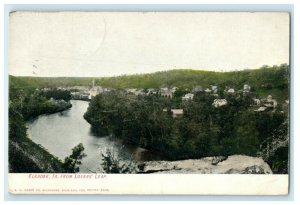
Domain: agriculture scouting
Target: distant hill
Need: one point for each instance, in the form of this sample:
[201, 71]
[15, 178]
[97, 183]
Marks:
[263, 81]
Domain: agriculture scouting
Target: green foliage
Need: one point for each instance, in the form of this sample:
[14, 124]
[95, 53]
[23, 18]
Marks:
[202, 131]
[31, 103]
[246, 134]
[57, 94]
[25, 156]
[17, 128]
[177, 97]
[49, 82]
[112, 165]
[275, 149]
[279, 162]
[262, 81]
[71, 163]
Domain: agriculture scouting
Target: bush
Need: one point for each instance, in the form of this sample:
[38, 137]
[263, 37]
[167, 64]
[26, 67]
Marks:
[111, 164]
[71, 163]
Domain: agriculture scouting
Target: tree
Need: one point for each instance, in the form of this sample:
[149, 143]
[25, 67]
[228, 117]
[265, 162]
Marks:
[110, 164]
[246, 134]
[17, 127]
[57, 94]
[71, 163]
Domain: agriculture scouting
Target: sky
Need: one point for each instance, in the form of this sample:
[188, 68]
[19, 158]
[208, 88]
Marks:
[101, 44]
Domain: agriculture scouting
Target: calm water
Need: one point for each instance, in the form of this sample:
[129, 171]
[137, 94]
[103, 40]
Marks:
[60, 132]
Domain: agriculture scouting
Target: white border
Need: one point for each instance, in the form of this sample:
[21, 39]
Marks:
[295, 84]
[150, 184]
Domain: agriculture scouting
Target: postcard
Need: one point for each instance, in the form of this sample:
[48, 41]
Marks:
[189, 103]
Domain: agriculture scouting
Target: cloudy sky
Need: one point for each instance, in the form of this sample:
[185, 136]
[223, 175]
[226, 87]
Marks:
[110, 44]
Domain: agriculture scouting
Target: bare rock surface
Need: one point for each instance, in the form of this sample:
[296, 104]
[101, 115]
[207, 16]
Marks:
[235, 164]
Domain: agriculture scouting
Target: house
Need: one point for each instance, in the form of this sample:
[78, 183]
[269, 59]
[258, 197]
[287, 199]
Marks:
[270, 102]
[95, 91]
[246, 88]
[80, 96]
[173, 89]
[107, 89]
[219, 103]
[131, 90]
[214, 88]
[135, 91]
[261, 109]
[151, 91]
[175, 112]
[45, 89]
[140, 92]
[165, 92]
[188, 96]
[269, 98]
[285, 105]
[230, 91]
[79, 88]
[207, 90]
[197, 89]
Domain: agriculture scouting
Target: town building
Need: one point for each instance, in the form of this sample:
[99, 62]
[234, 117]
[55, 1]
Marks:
[135, 91]
[173, 89]
[197, 89]
[165, 92]
[246, 88]
[214, 89]
[219, 103]
[207, 90]
[151, 91]
[270, 102]
[175, 112]
[230, 91]
[95, 90]
[188, 96]
[261, 109]
[256, 102]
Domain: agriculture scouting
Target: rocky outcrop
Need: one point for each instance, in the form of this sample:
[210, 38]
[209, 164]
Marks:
[235, 164]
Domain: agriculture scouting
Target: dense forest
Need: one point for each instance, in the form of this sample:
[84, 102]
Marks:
[203, 130]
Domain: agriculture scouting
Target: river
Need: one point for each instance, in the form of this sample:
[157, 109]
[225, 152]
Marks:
[60, 132]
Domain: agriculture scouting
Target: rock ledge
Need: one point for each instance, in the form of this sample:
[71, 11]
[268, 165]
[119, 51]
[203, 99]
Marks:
[235, 164]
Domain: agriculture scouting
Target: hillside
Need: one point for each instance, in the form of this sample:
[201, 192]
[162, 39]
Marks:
[27, 156]
[263, 81]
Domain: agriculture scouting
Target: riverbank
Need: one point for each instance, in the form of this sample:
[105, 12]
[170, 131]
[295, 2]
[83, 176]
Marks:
[26, 156]
[67, 129]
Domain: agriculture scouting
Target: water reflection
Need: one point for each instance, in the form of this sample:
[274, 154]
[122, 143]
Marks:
[60, 132]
